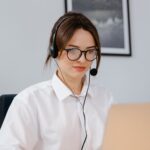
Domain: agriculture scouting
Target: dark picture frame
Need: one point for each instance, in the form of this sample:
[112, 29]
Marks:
[112, 21]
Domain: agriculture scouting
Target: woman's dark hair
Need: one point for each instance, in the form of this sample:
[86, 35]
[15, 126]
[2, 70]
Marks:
[64, 29]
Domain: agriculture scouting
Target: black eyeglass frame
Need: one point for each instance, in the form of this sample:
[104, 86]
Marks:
[82, 51]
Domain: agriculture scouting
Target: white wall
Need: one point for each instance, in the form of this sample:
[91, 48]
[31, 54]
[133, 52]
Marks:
[25, 26]
[24, 35]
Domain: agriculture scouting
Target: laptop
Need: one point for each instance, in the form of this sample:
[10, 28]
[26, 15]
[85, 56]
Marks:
[128, 127]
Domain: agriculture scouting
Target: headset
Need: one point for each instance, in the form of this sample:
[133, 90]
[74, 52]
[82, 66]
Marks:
[54, 49]
[54, 53]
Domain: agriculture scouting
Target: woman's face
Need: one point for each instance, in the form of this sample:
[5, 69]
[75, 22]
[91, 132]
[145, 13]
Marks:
[82, 40]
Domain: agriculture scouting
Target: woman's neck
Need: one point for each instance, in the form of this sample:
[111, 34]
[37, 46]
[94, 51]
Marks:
[74, 84]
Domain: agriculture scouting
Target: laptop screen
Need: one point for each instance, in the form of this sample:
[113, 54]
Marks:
[127, 127]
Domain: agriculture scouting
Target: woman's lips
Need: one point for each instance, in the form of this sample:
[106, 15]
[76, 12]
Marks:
[79, 68]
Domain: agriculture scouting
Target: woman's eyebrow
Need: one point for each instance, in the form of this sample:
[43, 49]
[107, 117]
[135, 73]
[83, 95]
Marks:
[90, 47]
[71, 45]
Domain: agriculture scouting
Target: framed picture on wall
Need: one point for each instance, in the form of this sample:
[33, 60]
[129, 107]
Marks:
[112, 21]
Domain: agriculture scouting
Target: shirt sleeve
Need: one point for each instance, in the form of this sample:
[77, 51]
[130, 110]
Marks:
[19, 129]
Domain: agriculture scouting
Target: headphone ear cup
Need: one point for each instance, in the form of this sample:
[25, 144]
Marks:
[53, 48]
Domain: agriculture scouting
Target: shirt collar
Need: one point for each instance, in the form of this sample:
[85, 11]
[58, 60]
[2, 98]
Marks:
[62, 91]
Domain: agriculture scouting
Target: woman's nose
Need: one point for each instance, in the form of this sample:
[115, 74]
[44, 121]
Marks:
[82, 58]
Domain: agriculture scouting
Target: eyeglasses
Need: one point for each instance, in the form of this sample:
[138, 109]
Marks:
[74, 54]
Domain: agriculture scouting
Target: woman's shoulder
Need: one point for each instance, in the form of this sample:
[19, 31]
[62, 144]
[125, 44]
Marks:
[102, 94]
[34, 90]
[100, 90]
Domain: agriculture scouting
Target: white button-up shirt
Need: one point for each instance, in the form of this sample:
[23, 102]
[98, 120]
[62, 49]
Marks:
[47, 116]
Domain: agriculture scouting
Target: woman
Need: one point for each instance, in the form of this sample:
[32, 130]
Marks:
[66, 112]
